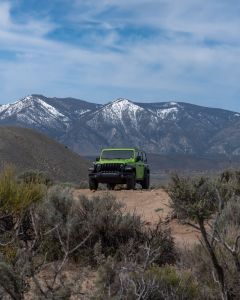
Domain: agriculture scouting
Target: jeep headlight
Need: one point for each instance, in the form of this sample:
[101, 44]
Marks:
[91, 169]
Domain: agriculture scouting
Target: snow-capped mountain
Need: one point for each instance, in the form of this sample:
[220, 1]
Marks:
[164, 127]
[49, 115]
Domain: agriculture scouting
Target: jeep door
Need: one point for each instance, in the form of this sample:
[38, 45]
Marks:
[140, 165]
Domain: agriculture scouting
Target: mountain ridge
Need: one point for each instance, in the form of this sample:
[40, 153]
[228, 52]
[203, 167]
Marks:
[160, 127]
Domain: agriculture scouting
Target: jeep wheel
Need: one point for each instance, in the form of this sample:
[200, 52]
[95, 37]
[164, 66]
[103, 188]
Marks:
[93, 184]
[146, 181]
[111, 186]
[131, 182]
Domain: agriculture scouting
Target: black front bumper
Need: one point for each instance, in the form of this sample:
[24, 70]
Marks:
[113, 177]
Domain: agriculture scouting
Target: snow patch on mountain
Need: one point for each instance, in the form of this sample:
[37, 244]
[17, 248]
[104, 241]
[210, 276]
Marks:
[4, 107]
[33, 110]
[50, 109]
[123, 106]
[165, 113]
[17, 106]
[81, 112]
[173, 103]
[116, 113]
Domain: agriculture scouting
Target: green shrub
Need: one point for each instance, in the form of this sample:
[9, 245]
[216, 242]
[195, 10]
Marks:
[169, 283]
[16, 199]
[192, 198]
[132, 281]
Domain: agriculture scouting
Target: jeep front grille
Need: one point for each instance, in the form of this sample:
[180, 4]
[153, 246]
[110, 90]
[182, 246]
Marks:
[111, 168]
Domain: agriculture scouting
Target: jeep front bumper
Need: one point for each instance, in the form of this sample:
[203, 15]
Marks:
[113, 177]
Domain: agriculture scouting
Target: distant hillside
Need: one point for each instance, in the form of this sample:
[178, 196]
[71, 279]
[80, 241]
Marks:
[192, 163]
[161, 163]
[163, 127]
[30, 150]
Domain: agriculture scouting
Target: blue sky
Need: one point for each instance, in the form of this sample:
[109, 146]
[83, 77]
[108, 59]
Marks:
[144, 50]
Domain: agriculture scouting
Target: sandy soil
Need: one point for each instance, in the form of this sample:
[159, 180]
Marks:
[151, 205]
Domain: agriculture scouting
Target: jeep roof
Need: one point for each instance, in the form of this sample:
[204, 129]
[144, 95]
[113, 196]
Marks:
[119, 149]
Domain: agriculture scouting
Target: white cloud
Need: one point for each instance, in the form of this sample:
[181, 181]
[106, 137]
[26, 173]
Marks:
[5, 14]
[204, 19]
[148, 67]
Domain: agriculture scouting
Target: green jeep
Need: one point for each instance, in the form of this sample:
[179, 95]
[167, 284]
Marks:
[120, 166]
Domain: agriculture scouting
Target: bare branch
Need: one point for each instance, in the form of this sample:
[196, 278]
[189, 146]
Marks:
[236, 245]
[51, 230]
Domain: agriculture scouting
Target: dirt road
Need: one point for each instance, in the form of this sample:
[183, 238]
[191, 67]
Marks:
[151, 205]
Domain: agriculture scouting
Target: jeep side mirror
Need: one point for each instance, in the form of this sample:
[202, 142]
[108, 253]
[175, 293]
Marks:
[138, 158]
[97, 158]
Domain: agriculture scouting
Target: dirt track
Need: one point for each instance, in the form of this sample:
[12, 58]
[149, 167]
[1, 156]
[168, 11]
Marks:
[151, 205]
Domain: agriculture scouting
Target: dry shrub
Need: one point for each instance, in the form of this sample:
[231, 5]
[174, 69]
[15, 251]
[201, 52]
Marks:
[112, 232]
[121, 280]
[228, 231]
[229, 183]
[155, 246]
[36, 177]
[10, 283]
[230, 215]
[213, 209]
[196, 259]
[57, 216]
[62, 228]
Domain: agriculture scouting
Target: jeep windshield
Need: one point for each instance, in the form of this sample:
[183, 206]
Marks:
[117, 154]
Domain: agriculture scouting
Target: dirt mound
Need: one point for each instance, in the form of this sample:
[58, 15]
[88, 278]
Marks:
[151, 205]
[27, 150]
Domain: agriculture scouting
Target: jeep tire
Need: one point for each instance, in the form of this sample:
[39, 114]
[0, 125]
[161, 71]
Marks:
[111, 186]
[131, 182]
[146, 181]
[93, 184]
